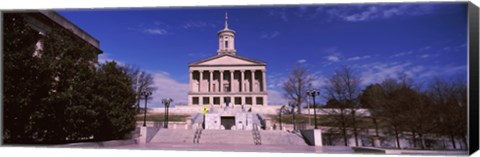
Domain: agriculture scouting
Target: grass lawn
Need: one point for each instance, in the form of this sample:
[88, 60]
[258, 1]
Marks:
[161, 117]
[322, 120]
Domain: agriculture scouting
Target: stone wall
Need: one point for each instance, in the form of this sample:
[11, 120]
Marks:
[190, 110]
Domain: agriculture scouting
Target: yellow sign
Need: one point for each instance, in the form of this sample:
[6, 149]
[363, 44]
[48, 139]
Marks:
[205, 109]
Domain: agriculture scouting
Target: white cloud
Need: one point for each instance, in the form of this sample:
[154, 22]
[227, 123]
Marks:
[302, 61]
[104, 57]
[155, 31]
[401, 54]
[374, 12]
[168, 87]
[270, 35]
[357, 58]
[275, 97]
[365, 15]
[333, 58]
[377, 72]
[425, 56]
[197, 24]
[275, 80]
[155, 28]
[319, 81]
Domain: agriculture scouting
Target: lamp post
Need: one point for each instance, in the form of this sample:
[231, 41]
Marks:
[292, 104]
[166, 102]
[280, 116]
[146, 94]
[139, 93]
[313, 93]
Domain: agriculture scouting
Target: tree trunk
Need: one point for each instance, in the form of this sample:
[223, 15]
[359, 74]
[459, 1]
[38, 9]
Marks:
[376, 126]
[465, 141]
[414, 139]
[344, 134]
[396, 136]
[452, 139]
[299, 106]
[422, 139]
[355, 134]
[344, 129]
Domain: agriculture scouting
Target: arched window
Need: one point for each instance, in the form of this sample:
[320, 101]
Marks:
[226, 44]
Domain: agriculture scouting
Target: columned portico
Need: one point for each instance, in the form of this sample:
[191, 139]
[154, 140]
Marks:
[227, 76]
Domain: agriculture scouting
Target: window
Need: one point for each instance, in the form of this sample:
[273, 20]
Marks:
[259, 101]
[216, 100]
[206, 100]
[238, 100]
[226, 44]
[195, 100]
[248, 100]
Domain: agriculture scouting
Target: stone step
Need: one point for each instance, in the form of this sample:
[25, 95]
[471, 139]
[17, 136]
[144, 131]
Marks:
[281, 138]
[268, 137]
[173, 136]
[226, 137]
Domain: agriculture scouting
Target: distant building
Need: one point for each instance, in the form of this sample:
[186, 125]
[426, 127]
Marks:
[227, 79]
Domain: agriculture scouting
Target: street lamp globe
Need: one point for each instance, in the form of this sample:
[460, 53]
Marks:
[166, 102]
[313, 93]
[146, 94]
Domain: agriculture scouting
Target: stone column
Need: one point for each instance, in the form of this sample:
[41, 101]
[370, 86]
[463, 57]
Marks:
[200, 81]
[264, 81]
[243, 102]
[191, 80]
[210, 81]
[241, 86]
[221, 102]
[254, 100]
[253, 81]
[265, 101]
[221, 81]
[231, 80]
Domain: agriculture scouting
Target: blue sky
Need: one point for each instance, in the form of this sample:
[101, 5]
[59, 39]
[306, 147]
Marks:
[422, 40]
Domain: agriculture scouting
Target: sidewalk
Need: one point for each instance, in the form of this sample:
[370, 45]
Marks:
[238, 148]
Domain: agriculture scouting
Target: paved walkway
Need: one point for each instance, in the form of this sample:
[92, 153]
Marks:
[237, 147]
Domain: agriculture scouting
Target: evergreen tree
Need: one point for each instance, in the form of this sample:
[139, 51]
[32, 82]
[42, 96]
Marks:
[54, 93]
[26, 81]
[115, 101]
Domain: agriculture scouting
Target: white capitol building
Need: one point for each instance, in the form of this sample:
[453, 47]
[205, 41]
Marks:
[233, 89]
[227, 79]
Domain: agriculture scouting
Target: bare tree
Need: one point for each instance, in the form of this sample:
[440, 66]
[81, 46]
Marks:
[141, 81]
[343, 87]
[384, 107]
[296, 85]
[372, 95]
[450, 100]
[418, 113]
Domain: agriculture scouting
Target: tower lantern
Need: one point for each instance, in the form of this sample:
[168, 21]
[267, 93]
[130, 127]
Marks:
[226, 40]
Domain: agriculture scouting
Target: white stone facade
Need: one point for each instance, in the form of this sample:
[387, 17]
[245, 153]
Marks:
[227, 79]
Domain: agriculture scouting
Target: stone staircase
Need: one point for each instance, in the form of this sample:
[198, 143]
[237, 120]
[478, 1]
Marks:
[174, 136]
[226, 137]
[281, 138]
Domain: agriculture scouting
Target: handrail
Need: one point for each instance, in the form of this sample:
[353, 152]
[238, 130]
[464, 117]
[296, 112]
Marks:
[196, 137]
[257, 140]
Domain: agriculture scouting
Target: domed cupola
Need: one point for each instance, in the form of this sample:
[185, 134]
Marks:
[226, 40]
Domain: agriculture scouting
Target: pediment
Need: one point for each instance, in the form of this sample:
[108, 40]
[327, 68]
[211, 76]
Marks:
[227, 60]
